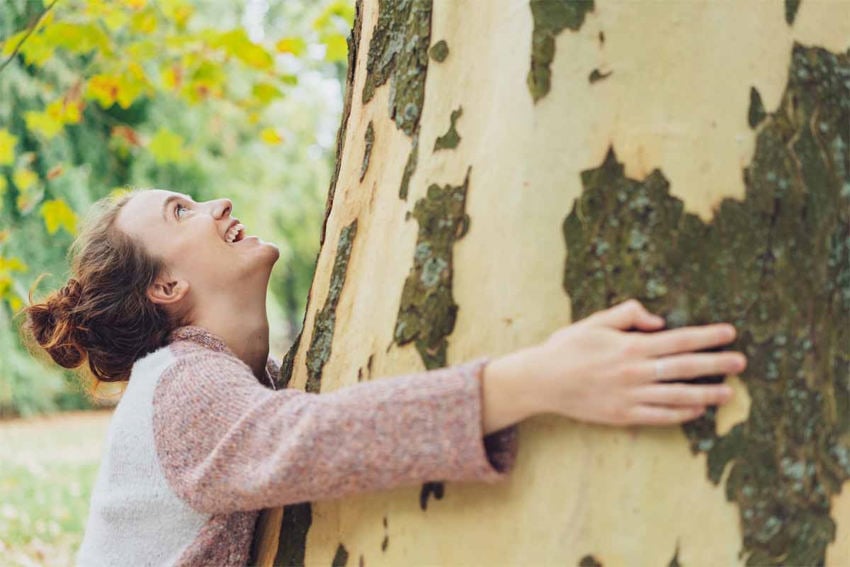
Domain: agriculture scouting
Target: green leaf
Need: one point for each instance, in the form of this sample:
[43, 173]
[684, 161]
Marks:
[166, 146]
[8, 142]
[265, 92]
[57, 214]
[76, 38]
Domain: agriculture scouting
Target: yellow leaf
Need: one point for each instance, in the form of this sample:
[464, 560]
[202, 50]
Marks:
[24, 179]
[135, 4]
[43, 123]
[65, 113]
[76, 38]
[270, 136]
[172, 76]
[12, 264]
[11, 42]
[144, 22]
[238, 44]
[7, 147]
[336, 48]
[166, 146]
[178, 11]
[57, 214]
[293, 45]
[15, 303]
[104, 89]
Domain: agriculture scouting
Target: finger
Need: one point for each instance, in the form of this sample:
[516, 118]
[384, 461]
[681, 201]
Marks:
[688, 339]
[688, 366]
[683, 394]
[626, 315]
[660, 415]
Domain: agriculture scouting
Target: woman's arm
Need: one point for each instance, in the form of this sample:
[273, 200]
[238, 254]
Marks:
[226, 443]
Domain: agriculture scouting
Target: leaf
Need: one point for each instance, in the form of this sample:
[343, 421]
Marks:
[178, 11]
[293, 45]
[144, 22]
[265, 92]
[12, 264]
[336, 48]
[43, 123]
[8, 142]
[271, 136]
[57, 214]
[24, 179]
[104, 89]
[166, 146]
[65, 112]
[77, 38]
[238, 44]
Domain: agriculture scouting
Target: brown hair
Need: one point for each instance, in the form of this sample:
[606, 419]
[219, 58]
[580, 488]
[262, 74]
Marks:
[102, 315]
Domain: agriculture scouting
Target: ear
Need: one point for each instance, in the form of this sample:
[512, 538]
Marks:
[167, 290]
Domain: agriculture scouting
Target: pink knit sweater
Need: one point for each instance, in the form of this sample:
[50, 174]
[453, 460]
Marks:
[197, 447]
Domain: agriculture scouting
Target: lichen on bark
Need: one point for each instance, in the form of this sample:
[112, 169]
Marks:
[451, 138]
[756, 113]
[427, 311]
[551, 17]
[368, 141]
[791, 7]
[398, 52]
[439, 51]
[775, 264]
[323, 327]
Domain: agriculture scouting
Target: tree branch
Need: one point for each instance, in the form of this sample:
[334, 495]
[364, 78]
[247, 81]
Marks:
[30, 29]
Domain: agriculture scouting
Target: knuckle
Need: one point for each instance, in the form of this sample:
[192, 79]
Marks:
[632, 345]
[631, 372]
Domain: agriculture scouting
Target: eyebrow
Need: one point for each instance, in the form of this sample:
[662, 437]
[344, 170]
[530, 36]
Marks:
[169, 200]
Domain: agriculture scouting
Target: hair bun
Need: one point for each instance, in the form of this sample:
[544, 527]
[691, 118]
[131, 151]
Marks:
[54, 325]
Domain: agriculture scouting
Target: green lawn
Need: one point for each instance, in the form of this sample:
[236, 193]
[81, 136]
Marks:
[47, 469]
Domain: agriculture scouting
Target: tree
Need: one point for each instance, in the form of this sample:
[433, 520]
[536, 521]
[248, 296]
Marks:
[503, 170]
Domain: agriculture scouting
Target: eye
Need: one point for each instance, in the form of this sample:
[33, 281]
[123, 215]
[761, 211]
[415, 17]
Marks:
[179, 208]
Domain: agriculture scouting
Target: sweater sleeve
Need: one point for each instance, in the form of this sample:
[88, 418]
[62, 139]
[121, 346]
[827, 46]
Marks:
[226, 443]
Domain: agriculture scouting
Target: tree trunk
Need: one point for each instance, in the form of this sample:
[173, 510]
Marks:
[505, 168]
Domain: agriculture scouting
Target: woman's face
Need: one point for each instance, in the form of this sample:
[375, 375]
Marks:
[191, 238]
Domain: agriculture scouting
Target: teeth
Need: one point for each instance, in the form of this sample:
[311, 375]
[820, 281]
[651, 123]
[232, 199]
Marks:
[231, 235]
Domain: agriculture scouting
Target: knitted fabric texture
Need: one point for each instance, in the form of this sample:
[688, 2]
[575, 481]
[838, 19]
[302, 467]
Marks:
[200, 446]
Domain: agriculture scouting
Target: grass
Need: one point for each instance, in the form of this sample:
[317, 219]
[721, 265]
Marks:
[47, 469]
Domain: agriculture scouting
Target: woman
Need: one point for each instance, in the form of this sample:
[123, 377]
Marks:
[169, 295]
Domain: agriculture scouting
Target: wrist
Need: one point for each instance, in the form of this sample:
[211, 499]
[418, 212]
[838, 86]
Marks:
[506, 396]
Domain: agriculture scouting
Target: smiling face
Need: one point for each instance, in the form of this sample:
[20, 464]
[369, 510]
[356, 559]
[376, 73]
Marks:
[194, 241]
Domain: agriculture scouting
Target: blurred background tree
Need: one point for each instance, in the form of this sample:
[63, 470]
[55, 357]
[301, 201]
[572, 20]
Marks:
[235, 98]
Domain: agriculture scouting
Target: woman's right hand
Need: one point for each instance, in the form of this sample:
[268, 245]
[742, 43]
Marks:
[598, 370]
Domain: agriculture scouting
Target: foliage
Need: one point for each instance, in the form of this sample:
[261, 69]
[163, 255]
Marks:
[99, 95]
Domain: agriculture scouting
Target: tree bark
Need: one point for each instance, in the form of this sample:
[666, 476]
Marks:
[505, 168]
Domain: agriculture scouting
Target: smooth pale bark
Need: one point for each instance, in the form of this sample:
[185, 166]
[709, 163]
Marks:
[677, 99]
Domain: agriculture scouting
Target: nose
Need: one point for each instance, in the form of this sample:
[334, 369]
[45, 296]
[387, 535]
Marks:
[222, 207]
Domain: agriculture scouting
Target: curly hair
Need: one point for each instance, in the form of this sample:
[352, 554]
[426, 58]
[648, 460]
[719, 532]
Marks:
[102, 315]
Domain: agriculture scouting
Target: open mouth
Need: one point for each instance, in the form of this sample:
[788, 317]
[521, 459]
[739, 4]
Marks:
[235, 233]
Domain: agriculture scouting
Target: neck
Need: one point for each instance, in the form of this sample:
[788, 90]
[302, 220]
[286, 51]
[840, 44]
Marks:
[243, 325]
